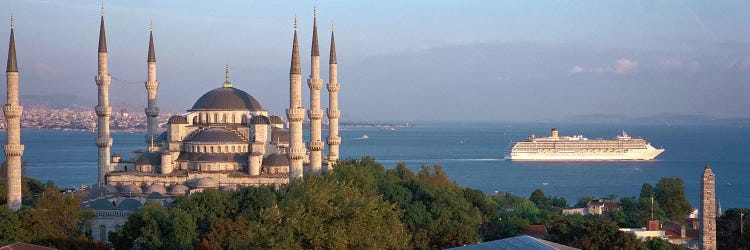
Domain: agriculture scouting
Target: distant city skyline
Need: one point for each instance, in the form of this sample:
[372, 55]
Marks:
[415, 60]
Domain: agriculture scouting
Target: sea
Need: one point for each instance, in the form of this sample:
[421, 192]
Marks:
[472, 155]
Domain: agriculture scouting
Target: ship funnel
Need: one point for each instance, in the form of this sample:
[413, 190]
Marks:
[554, 133]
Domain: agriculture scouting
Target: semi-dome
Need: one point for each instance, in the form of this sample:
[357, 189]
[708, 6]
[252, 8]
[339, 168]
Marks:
[259, 119]
[226, 98]
[217, 135]
[276, 159]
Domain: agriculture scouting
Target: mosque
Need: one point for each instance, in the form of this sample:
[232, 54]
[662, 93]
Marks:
[226, 140]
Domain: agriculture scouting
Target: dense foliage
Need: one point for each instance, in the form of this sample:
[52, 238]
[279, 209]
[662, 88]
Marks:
[360, 205]
[53, 219]
[728, 235]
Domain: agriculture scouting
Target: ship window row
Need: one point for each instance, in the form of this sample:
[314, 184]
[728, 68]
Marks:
[216, 148]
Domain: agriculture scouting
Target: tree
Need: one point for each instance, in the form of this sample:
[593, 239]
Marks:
[56, 220]
[728, 229]
[670, 193]
[9, 226]
[583, 202]
[155, 227]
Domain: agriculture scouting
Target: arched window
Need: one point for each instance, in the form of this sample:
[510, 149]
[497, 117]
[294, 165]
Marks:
[195, 120]
[233, 150]
[234, 118]
[226, 149]
[212, 149]
[219, 149]
[225, 119]
[204, 149]
[216, 118]
[103, 233]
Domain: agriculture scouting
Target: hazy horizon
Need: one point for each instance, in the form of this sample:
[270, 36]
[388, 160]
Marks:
[407, 61]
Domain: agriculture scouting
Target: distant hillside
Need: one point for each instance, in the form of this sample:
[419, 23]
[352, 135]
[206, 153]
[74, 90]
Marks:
[661, 119]
[57, 101]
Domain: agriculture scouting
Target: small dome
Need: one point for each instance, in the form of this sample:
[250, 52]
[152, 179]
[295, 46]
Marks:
[259, 119]
[218, 135]
[177, 119]
[226, 98]
[178, 190]
[276, 159]
[156, 188]
[155, 196]
[130, 188]
[276, 119]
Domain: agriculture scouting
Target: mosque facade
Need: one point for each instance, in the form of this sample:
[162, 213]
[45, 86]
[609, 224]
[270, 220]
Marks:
[226, 140]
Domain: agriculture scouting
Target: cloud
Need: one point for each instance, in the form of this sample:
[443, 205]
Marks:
[621, 66]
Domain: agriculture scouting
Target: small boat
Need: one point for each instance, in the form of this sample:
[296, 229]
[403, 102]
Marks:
[364, 137]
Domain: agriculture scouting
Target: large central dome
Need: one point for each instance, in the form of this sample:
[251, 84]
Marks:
[226, 98]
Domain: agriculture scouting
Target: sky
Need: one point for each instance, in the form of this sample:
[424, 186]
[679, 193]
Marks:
[413, 60]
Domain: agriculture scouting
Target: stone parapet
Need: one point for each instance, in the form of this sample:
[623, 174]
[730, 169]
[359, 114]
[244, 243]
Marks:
[12, 111]
[316, 146]
[103, 79]
[315, 84]
[103, 110]
[333, 87]
[104, 142]
[296, 153]
[13, 150]
[333, 113]
[334, 140]
[295, 114]
[315, 114]
[152, 111]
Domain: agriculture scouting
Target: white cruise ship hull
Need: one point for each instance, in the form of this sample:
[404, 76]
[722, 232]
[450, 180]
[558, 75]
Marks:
[648, 153]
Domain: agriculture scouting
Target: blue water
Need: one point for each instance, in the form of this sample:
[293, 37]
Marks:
[69, 157]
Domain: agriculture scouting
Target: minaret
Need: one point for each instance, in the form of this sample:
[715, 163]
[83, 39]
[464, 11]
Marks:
[296, 113]
[152, 112]
[708, 209]
[333, 107]
[315, 113]
[103, 110]
[13, 148]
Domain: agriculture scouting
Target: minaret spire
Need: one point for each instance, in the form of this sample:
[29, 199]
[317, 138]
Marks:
[296, 113]
[315, 113]
[152, 85]
[334, 140]
[12, 66]
[13, 110]
[103, 110]
[227, 83]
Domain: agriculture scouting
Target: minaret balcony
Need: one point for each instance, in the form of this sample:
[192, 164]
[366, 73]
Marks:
[296, 153]
[152, 85]
[103, 79]
[103, 111]
[104, 142]
[13, 150]
[12, 111]
[315, 114]
[315, 84]
[295, 114]
[334, 140]
[333, 86]
[152, 111]
[333, 113]
[316, 146]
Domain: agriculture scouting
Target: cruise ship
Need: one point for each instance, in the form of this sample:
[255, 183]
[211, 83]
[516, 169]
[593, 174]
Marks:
[579, 148]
